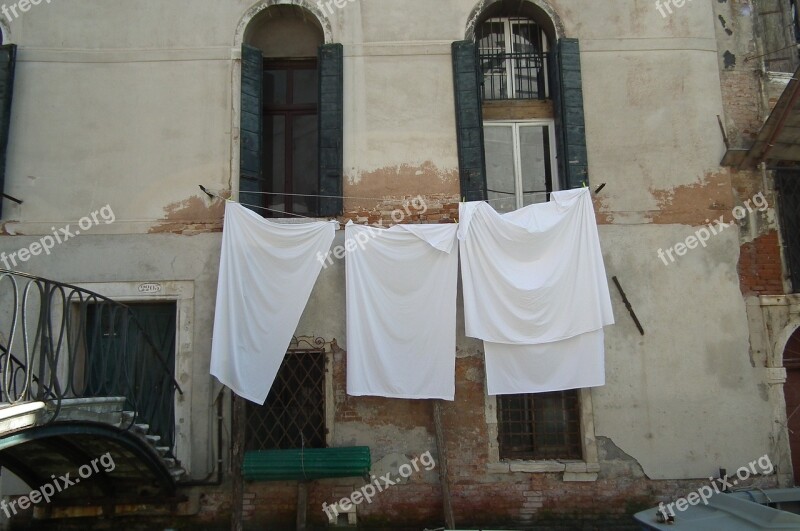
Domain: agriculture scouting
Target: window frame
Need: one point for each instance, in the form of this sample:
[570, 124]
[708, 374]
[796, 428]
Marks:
[585, 469]
[535, 428]
[510, 60]
[290, 111]
[325, 348]
[516, 125]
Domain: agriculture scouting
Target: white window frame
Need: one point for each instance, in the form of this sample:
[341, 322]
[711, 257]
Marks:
[516, 125]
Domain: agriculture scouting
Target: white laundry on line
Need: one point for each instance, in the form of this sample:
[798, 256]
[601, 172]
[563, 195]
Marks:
[401, 311]
[567, 364]
[535, 290]
[267, 272]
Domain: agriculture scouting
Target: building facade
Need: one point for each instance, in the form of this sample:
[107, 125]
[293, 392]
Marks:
[385, 112]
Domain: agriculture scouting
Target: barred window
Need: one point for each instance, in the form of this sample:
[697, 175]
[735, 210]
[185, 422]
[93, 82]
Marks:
[539, 426]
[294, 414]
[512, 54]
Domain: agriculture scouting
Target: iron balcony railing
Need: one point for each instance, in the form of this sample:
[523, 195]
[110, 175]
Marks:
[518, 75]
[59, 341]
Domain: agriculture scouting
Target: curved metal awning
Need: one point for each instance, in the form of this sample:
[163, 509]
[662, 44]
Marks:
[126, 468]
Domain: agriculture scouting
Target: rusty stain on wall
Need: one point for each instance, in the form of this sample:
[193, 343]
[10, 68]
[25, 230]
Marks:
[191, 216]
[365, 186]
[695, 204]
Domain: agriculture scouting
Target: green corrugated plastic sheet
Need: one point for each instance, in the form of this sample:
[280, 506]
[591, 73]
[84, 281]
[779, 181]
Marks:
[307, 464]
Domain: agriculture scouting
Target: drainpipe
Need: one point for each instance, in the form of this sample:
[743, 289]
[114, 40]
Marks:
[217, 482]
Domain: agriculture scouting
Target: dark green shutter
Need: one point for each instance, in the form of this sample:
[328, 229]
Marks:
[8, 59]
[331, 129]
[573, 162]
[469, 122]
[251, 129]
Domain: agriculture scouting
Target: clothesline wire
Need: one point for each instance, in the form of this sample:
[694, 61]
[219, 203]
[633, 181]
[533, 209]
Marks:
[340, 196]
[212, 194]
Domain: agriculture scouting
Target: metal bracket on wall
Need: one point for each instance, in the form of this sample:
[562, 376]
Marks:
[628, 305]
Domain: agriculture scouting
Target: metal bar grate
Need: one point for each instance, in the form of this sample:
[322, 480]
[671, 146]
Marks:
[539, 426]
[294, 414]
[513, 60]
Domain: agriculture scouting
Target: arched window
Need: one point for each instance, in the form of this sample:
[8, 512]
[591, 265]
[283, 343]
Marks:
[291, 128]
[519, 103]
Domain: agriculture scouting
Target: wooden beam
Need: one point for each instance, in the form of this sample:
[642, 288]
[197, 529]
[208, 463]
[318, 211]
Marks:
[238, 426]
[302, 505]
[518, 110]
[444, 475]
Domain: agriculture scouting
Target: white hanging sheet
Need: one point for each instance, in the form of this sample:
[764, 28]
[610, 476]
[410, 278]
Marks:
[568, 364]
[401, 310]
[535, 275]
[267, 271]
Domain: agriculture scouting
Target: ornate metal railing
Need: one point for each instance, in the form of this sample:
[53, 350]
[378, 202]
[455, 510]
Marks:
[59, 341]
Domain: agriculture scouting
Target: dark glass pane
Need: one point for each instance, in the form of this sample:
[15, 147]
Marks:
[534, 142]
[275, 159]
[275, 83]
[500, 167]
[304, 86]
[493, 61]
[304, 163]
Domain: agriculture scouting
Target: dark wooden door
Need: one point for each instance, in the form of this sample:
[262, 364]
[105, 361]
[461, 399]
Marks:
[791, 391]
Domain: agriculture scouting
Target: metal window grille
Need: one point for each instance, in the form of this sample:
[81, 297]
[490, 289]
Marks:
[788, 185]
[294, 414]
[539, 426]
[512, 57]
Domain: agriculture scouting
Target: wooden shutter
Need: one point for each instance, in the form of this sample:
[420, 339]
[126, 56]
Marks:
[251, 178]
[469, 122]
[8, 59]
[331, 129]
[573, 163]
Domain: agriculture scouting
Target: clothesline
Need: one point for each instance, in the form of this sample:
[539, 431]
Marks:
[541, 326]
[367, 198]
[277, 211]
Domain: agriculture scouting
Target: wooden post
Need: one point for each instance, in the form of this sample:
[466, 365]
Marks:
[302, 505]
[443, 471]
[238, 426]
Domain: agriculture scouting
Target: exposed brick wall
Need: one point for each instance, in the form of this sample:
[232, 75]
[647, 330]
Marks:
[435, 208]
[760, 269]
[479, 498]
[740, 90]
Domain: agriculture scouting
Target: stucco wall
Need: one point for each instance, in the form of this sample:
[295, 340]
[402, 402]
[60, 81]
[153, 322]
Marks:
[134, 104]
